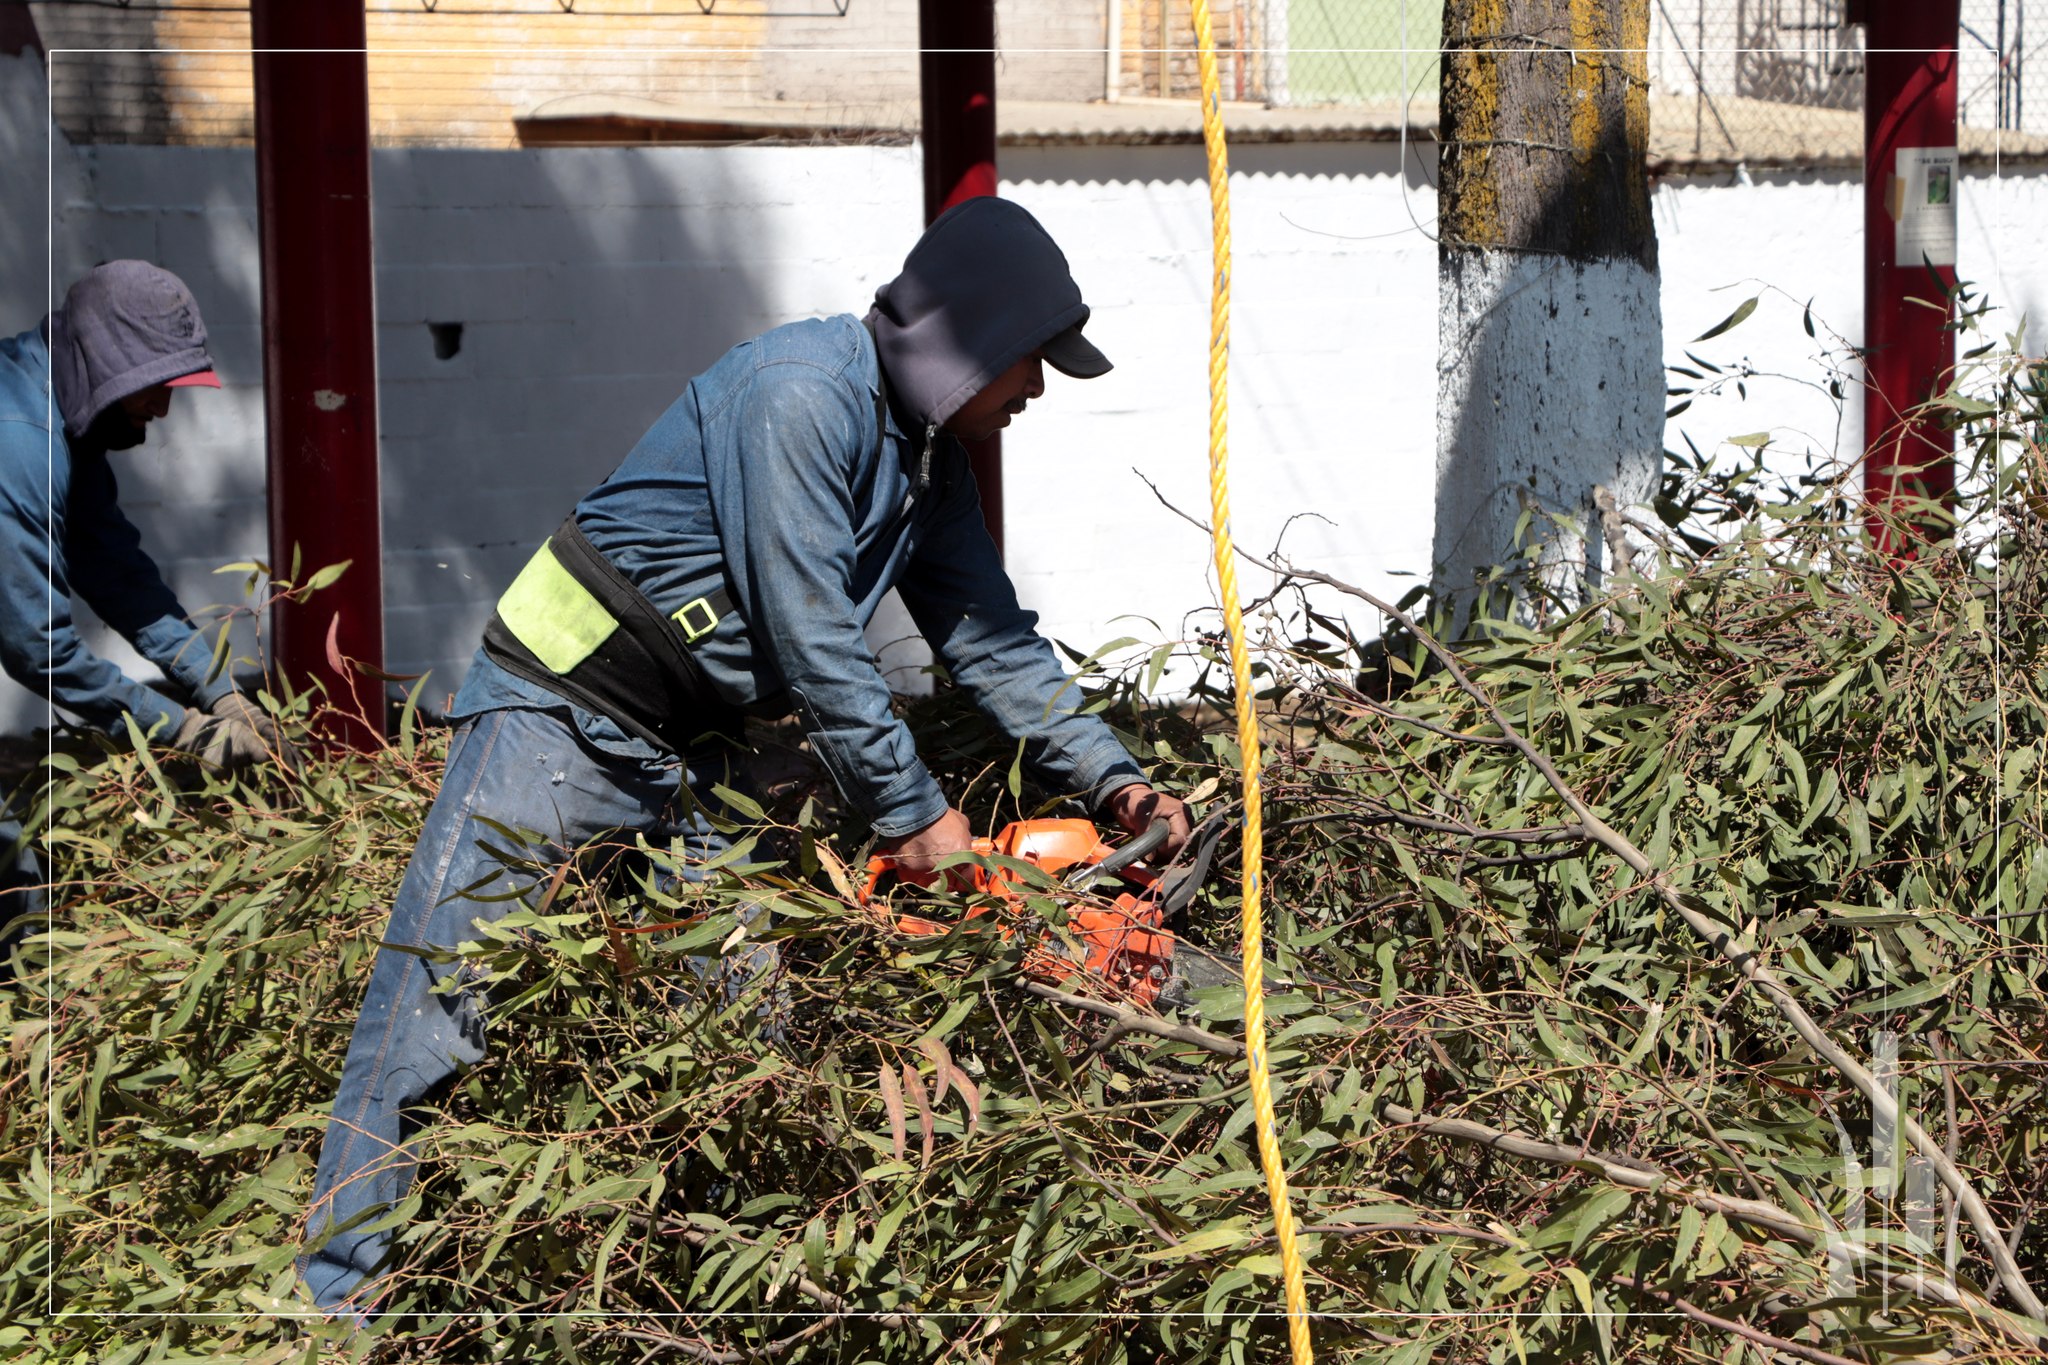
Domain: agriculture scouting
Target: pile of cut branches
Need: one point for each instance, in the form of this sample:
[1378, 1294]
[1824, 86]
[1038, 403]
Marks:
[1659, 983]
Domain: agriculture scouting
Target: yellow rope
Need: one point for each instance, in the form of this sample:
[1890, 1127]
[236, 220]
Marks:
[1247, 709]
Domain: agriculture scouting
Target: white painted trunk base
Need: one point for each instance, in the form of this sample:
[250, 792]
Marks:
[1550, 384]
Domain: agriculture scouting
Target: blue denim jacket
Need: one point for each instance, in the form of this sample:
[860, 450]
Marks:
[62, 531]
[784, 475]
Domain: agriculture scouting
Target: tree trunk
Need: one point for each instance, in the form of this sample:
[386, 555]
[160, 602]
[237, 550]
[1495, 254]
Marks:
[1550, 370]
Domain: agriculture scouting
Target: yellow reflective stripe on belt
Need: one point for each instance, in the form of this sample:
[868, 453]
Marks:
[553, 615]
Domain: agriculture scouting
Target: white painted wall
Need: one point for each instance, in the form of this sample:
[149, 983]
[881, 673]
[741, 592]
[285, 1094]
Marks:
[1330, 414]
[1789, 238]
[592, 284]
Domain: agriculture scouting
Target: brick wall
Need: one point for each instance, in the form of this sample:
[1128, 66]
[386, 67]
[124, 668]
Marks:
[457, 77]
[1158, 57]
[448, 77]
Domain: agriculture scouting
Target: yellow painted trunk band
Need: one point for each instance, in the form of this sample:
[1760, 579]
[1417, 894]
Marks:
[553, 615]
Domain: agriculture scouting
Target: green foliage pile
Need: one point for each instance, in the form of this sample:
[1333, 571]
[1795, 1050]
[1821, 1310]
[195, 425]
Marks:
[890, 1152]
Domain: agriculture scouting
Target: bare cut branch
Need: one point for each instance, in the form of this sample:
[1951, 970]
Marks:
[1435, 1229]
[1131, 1021]
[1757, 1335]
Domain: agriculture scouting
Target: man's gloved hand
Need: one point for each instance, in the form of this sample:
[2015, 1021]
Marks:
[231, 734]
[1136, 806]
[233, 706]
[916, 853]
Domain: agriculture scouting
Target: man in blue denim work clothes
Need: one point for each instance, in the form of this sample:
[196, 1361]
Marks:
[731, 565]
[84, 383]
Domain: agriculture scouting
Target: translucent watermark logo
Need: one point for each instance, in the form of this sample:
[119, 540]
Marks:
[1894, 1208]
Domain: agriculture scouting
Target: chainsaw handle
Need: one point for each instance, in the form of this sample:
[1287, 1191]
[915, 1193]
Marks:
[883, 864]
[1130, 853]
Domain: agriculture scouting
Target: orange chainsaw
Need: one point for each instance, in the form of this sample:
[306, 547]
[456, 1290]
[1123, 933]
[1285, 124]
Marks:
[1120, 940]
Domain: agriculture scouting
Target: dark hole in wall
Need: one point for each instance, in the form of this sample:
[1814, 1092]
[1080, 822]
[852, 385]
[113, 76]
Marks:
[447, 339]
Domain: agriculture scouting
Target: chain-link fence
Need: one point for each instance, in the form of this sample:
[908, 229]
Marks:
[1994, 45]
[1769, 73]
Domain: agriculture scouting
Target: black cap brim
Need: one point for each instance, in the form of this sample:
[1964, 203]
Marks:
[1074, 355]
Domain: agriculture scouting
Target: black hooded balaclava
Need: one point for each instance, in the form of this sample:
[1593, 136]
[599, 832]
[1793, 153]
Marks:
[125, 326]
[982, 289]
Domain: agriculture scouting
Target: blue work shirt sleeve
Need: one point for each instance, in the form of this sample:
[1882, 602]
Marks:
[790, 548]
[39, 641]
[966, 607]
[117, 578]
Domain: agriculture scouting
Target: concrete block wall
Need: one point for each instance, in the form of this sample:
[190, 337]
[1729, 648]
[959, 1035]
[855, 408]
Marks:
[31, 153]
[590, 287]
[869, 55]
[437, 76]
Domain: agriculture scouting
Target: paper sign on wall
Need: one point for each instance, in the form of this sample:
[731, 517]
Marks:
[1923, 206]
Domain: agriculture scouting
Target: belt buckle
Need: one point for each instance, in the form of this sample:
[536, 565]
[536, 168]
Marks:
[691, 630]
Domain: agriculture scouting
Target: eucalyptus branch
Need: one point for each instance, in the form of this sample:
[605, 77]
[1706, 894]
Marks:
[1696, 914]
[1380, 813]
[832, 1303]
[710, 1355]
[1354, 699]
[1627, 1172]
[1950, 1138]
[1081, 1163]
[1756, 1213]
[1744, 959]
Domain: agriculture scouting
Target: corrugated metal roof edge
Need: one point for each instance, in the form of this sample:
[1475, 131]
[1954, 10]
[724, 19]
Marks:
[1659, 164]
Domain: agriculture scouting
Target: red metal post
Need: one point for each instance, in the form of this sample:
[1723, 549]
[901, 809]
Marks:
[319, 347]
[1909, 191]
[957, 90]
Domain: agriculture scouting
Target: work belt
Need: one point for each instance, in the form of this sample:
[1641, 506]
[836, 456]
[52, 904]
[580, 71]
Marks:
[574, 624]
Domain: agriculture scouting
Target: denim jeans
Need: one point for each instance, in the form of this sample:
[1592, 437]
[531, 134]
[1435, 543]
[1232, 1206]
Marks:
[524, 770]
